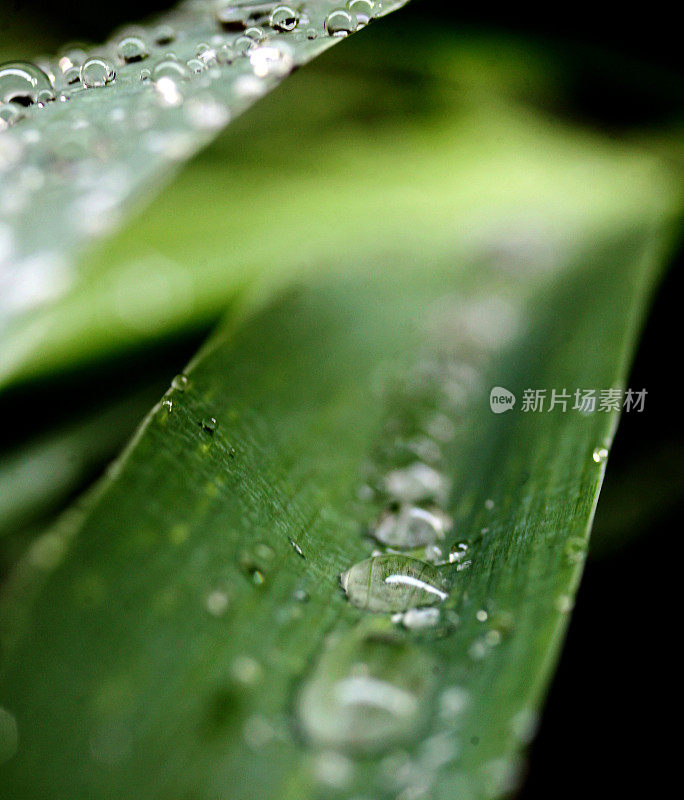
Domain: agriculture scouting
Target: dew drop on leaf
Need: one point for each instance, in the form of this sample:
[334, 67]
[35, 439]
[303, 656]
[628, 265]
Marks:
[367, 693]
[96, 73]
[411, 526]
[21, 82]
[417, 483]
[600, 454]
[131, 49]
[393, 583]
[283, 18]
[179, 382]
[9, 114]
[209, 424]
[362, 10]
[340, 23]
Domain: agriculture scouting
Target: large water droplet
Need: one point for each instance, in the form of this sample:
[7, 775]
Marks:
[393, 583]
[367, 693]
[412, 526]
[22, 82]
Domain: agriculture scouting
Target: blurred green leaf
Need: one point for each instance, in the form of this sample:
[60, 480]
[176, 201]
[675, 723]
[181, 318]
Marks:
[171, 636]
[106, 126]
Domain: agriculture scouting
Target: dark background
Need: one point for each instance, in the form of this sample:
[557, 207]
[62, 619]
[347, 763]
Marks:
[604, 731]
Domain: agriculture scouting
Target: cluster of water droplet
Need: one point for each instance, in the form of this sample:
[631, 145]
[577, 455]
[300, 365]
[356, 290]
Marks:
[81, 130]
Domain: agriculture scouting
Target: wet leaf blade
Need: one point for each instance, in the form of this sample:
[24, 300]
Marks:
[121, 674]
[98, 152]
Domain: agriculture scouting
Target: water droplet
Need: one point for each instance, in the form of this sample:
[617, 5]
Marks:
[21, 83]
[417, 483]
[301, 595]
[168, 404]
[481, 615]
[272, 61]
[217, 603]
[9, 114]
[246, 670]
[575, 549]
[600, 454]
[242, 45]
[340, 23]
[366, 693]
[452, 703]
[131, 49]
[9, 735]
[411, 527]
[458, 553]
[163, 35]
[297, 548]
[393, 583]
[283, 18]
[489, 504]
[231, 17]
[362, 10]
[333, 769]
[209, 424]
[418, 618]
[564, 603]
[179, 382]
[170, 68]
[195, 66]
[311, 33]
[96, 73]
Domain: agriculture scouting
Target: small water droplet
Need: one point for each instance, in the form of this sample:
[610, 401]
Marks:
[209, 425]
[301, 595]
[458, 553]
[417, 483]
[481, 615]
[600, 454]
[167, 403]
[246, 670]
[412, 526]
[366, 693]
[564, 603]
[283, 18]
[170, 68]
[231, 17]
[96, 73]
[333, 769]
[179, 382]
[297, 548]
[217, 603]
[418, 618]
[340, 23]
[9, 115]
[9, 735]
[489, 504]
[393, 583]
[131, 49]
[21, 82]
[163, 35]
[311, 33]
[575, 550]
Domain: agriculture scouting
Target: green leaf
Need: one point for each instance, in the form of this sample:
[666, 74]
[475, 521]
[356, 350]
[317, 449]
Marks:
[97, 139]
[183, 633]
